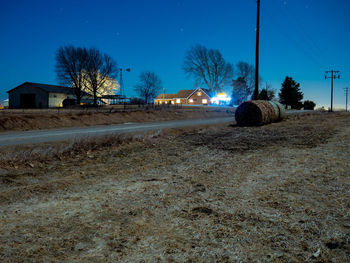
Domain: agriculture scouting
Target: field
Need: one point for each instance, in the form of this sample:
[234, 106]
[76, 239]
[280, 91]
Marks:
[277, 193]
[37, 119]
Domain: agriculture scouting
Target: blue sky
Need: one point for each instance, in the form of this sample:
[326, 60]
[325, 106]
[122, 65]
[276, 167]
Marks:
[299, 38]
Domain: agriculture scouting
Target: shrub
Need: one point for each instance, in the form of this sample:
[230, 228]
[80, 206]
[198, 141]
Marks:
[309, 105]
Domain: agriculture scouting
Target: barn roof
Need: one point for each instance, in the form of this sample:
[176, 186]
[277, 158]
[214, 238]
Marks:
[48, 88]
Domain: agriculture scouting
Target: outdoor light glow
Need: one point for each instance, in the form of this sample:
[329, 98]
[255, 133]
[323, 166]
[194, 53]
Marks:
[221, 98]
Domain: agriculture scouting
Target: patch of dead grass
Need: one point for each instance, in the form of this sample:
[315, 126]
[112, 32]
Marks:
[10, 121]
[184, 197]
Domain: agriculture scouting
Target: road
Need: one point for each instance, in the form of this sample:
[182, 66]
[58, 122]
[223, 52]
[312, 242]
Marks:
[39, 136]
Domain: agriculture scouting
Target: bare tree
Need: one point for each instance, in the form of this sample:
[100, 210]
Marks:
[148, 86]
[99, 68]
[244, 84]
[208, 67]
[240, 88]
[70, 64]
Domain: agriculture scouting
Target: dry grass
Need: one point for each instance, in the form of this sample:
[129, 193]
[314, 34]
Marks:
[37, 153]
[277, 193]
[50, 119]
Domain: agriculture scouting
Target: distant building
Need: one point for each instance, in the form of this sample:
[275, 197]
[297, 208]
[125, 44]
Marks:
[197, 96]
[6, 103]
[35, 95]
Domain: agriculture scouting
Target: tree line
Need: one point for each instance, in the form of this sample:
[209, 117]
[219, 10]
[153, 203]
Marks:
[88, 70]
[209, 69]
[85, 70]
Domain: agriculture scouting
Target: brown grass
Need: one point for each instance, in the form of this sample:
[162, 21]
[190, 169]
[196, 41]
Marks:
[277, 193]
[41, 152]
[36, 120]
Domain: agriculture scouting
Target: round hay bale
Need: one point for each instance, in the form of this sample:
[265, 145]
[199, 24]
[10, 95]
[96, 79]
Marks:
[282, 111]
[258, 112]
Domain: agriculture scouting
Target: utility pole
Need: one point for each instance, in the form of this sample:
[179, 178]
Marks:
[332, 77]
[256, 90]
[346, 98]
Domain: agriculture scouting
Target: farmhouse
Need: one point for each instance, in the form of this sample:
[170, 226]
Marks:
[197, 96]
[36, 95]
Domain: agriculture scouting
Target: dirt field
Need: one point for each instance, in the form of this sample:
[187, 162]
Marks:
[277, 193]
[23, 120]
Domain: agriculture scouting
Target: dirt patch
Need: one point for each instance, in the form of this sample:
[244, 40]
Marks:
[17, 121]
[184, 196]
[240, 139]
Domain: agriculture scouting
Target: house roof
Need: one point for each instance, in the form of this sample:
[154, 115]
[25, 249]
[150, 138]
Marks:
[208, 92]
[49, 88]
[182, 94]
[165, 96]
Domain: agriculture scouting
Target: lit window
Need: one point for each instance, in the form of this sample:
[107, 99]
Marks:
[178, 101]
[165, 102]
[199, 93]
[190, 100]
[172, 102]
[204, 101]
[160, 102]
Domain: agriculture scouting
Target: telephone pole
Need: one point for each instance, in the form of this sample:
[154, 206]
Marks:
[256, 90]
[332, 77]
[346, 98]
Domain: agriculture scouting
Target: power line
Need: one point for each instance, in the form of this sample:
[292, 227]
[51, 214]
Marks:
[332, 77]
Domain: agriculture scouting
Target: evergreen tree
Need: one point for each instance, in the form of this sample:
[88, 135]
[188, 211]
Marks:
[267, 93]
[290, 94]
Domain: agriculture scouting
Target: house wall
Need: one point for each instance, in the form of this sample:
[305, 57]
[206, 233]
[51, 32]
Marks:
[56, 100]
[195, 99]
[41, 97]
[198, 98]
[180, 101]
[165, 101]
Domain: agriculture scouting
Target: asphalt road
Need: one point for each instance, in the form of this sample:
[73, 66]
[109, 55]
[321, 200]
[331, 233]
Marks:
[39, 136]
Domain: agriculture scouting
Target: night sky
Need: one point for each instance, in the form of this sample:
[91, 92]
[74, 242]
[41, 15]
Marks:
[299, 38]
